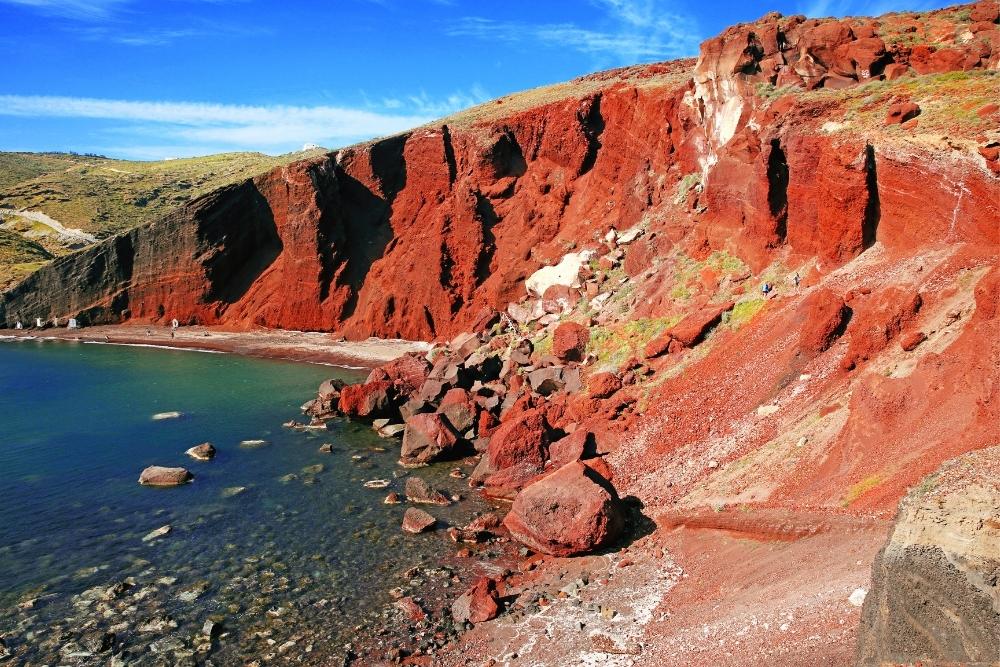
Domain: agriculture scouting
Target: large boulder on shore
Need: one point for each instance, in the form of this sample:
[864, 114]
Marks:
[572, 511]
[406, 373]
[372, 399]
[935, 596]
[427, 437]
[162, 476]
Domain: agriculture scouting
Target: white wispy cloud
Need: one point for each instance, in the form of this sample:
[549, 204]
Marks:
[824, 8]
[638, 30]
[91, 10]
[426, 105]
[191, 128]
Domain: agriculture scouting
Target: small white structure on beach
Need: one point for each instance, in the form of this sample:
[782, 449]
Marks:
[18, 325]
[72, 324]
[174, 323]
[39, 323]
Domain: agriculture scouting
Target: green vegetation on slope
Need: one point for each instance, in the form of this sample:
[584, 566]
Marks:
[18, 257]
[102, 196]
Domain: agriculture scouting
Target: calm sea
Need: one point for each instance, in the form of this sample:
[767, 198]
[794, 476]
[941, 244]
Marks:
[279, 544]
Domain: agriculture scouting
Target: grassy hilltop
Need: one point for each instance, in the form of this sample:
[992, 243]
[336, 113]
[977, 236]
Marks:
[102, 197]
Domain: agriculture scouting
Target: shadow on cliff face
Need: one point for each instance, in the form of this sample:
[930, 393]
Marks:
[777, 190]
[873, 209]
[367, 216]
[243, 251]
[592, 126]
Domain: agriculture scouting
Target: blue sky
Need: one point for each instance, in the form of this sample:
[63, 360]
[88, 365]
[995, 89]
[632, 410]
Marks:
[149, 79]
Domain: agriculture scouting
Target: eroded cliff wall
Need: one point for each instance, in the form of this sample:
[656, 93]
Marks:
[753, 150]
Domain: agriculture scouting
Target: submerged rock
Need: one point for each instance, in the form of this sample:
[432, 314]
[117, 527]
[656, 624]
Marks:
[253, 444]
[159, 532]
[161, 476]
[419, 491]
[417, 521]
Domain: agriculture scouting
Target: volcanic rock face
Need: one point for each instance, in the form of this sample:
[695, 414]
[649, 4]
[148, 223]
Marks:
[935, 595]
[419, 235]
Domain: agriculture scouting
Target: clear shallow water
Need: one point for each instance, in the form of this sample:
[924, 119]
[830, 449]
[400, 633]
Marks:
[299, 556]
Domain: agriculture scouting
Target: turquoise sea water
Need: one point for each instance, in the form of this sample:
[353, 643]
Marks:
[295, 557]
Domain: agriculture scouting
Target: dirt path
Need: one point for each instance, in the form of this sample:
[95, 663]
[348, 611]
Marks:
[751, 591]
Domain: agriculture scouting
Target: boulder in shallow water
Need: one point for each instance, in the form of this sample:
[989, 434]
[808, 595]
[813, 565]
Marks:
[417, 521]
[428, 437]
[203, 452]
[162, 476]
[419, 491]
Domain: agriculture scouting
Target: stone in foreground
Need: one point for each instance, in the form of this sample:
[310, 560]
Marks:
[417, 521]
[478, 604]
[161, 476]
[572, 511]
[934, 596]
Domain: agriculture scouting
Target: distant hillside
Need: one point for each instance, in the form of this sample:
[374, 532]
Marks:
[101, 196]
[19, 257]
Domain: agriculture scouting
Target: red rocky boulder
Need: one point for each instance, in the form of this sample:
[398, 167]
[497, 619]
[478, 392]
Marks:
[901, 112]
[576, 446]
[878, 321]
[426, 438]
[688, 332]
[523, 439]
[602, 385]
[824, 315]
[572, 511]
[372, 399]
[417, 521]
[407, 373]
[478, 604]
[569, 342]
